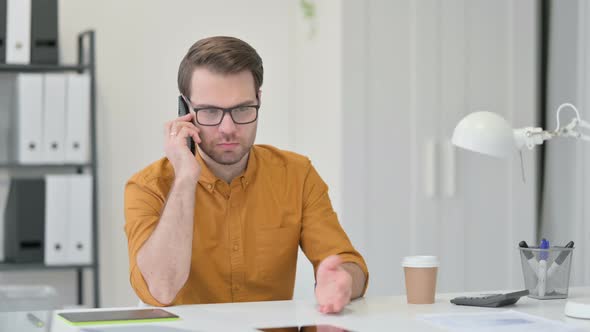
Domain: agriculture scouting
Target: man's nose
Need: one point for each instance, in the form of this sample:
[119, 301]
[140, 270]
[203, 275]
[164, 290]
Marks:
[227, 125]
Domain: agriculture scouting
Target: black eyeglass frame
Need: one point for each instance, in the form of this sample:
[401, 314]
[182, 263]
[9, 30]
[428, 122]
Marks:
[225, 111]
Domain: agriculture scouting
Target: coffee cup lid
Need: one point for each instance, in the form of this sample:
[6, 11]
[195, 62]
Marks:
[420, 261]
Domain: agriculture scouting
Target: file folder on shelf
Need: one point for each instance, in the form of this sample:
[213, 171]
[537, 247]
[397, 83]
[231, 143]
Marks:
[56, 216]
[29, 109]
[54, 117]
[78, 118]
[68, 220]
[8, 117]
[3, 31]
[79, 245]
[18, 31]
[4, 190]
[44, 118]
[24, 221]
[44, 45]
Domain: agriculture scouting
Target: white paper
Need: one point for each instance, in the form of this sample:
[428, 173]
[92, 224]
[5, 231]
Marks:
[501, 321]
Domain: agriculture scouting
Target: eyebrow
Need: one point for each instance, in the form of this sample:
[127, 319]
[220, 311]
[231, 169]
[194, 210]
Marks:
[247, 102]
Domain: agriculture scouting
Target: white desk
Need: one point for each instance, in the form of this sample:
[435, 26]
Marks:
[368, 314]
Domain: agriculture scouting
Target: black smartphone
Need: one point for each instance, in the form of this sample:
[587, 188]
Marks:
[102, 317]
[183, 110]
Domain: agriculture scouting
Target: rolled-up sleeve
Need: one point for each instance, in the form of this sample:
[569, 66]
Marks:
[321, 234]
[143, 205]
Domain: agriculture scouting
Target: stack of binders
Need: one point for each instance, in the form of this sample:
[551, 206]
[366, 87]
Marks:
[44, 118]
[68, 220]
[48, 220]
[28, 32]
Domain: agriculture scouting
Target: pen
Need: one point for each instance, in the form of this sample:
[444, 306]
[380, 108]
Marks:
[542, 271]
[529, 255]
[559, 260]
[34, 320]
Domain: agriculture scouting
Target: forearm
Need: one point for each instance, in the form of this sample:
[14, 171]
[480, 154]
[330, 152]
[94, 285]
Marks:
[165, 258]
[358, 279]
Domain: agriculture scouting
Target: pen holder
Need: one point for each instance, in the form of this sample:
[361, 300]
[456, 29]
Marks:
[546, 271]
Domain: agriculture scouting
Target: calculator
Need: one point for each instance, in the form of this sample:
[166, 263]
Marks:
[490, 300]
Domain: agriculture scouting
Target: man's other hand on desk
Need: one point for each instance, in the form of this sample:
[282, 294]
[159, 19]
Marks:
[334, 285]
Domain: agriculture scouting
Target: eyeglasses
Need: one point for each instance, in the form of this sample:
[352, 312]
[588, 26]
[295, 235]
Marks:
[212, 116]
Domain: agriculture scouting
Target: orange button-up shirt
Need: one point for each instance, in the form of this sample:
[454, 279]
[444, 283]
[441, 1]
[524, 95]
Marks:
[246, 233]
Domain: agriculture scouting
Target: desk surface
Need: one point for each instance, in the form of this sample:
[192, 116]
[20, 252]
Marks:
[367, 314]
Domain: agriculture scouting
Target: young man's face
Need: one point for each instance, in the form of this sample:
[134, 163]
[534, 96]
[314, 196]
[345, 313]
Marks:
[228, 142]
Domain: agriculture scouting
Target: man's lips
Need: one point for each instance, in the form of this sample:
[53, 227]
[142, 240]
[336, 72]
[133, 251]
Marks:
[228, 145]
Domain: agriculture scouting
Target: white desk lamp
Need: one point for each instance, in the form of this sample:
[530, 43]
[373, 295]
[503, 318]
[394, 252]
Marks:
[491, 134]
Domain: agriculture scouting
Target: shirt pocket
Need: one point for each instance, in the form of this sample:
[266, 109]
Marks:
[276, 252]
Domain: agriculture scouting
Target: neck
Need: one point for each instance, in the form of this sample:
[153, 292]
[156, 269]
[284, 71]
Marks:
[225, 172]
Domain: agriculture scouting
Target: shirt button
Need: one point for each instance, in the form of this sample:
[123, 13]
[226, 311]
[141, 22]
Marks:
[236, 247]
[209, 186]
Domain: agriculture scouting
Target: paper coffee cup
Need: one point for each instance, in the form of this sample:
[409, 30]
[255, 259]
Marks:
[420, 274]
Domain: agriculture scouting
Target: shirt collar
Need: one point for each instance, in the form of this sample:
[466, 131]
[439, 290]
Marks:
[208, 179]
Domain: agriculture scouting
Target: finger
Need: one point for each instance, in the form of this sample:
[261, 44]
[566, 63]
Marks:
[195, 135]
[172, 131]
[177, 126]
[339, 306]
[330, 308]
[187, 117]
[186, 132]
[167, 128]
[180, 124]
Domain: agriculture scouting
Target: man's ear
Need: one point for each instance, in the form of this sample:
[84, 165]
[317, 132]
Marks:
[259, 96]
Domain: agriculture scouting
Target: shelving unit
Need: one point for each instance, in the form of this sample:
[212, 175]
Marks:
[86, 63]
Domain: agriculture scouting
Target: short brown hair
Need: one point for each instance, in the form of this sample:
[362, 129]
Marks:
[224, 55]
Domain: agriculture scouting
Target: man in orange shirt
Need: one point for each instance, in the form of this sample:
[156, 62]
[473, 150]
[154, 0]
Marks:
[224, 224]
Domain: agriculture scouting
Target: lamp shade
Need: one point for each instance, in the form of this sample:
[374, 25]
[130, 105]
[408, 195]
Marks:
[485, 132]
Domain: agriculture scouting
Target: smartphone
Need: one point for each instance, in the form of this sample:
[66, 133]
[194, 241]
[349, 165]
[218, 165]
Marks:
[101, 317]
[183, 110]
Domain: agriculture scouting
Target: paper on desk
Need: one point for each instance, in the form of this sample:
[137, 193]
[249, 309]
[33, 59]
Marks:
[502, 321]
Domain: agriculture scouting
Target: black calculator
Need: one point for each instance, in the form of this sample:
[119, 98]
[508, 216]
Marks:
[490, 300]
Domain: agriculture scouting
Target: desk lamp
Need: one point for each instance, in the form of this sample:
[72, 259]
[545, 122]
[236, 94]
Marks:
[489, 133]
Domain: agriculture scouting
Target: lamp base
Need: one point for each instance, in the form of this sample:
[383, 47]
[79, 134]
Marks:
[580, 308]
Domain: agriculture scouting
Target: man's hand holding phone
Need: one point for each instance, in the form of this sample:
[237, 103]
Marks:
[186, 166]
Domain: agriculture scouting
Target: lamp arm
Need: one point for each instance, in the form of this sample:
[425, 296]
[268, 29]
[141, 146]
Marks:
[572, 130]
[530, 137]
[561, 107]
[585, 125]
